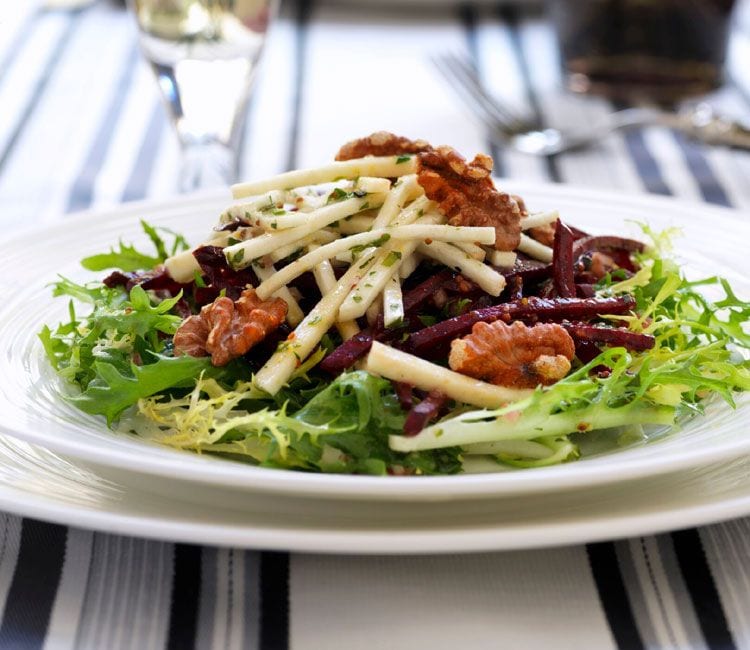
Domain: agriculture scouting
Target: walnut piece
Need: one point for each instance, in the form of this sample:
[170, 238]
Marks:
[463, 190]
[514, 355]
[227, 329]
[466, 194]
[521, 205]
[544, 234]
[601, 264]
[381, 143]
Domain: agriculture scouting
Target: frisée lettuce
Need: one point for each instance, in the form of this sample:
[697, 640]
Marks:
[120, 356]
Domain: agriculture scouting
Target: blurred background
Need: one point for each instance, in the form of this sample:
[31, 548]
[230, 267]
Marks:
[82, 122]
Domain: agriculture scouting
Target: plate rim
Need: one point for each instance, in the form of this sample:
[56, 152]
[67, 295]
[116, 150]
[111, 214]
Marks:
[403, 488]
[476, 537]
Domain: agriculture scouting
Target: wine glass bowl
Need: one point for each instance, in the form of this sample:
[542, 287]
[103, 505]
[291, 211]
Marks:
[204, 54]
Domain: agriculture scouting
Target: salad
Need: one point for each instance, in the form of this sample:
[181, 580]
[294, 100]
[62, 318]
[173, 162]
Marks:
[394, 312]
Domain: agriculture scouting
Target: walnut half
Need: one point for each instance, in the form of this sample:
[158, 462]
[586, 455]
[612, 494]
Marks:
[227, 329]
[514, 355]
[463, 189]
[467, 196]
[381, 143]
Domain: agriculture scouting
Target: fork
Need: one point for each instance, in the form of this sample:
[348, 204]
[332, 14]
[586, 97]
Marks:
[505, 126]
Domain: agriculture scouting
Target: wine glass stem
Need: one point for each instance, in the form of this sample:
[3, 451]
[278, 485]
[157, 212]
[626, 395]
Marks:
[207, 165]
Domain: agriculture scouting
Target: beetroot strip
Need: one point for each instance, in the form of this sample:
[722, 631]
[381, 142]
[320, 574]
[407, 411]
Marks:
[431, 341]
[424, 412]
[530, 274]
[586, 350]
[563, 275]
[347, 353]
[405, 393]
[585, 290]
[157, 279]
[577, 233]
[424, 290]
[606, 242]
[610, 335]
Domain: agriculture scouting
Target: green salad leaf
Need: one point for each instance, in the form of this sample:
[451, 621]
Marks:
[701, 348]
[112, 390]
[127, 258]
[97, 352]
[343, 428]
[120, 356]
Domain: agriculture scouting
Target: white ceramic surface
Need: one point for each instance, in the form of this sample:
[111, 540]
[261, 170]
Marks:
[38, 483]
[714, 243]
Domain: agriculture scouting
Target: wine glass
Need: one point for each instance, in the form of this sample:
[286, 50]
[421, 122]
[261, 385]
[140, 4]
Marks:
[205, 54]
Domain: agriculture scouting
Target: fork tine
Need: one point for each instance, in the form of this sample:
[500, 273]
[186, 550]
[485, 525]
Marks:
[476, 103]
[473, 101]
[498, 117]
[468, 75]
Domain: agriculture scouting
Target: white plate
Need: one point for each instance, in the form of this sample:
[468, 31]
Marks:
[714, 242]
[38, 483]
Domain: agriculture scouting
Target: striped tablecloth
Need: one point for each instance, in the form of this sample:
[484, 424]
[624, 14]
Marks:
[81, 126]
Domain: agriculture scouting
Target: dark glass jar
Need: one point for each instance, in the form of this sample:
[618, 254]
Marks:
[658, 50]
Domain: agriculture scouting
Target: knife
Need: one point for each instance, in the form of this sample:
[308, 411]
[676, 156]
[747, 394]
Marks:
[702, 123]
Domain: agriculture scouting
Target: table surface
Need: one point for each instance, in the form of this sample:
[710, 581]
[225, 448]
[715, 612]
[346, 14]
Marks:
[81, 126]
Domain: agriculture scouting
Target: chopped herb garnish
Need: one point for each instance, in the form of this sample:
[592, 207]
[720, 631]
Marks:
[198, 279]
[356, 250]
[427, 320]
[238, 257]
[338, 195]
[459, 306]
[357, 298]
[283, 346]
[391, 258]
[402, 159]
[397, 324]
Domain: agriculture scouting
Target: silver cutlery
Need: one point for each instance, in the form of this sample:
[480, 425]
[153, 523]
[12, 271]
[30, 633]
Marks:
[507, 127]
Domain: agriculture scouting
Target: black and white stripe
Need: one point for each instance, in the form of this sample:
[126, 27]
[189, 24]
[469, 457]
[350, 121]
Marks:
[65, 588]
[186, 592]
[35, 580]
[702, 589]
[81, 195]
[274, 601]
[468, 16]
[62, 28]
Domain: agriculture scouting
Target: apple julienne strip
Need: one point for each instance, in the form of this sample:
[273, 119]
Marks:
[300, 343]
[379, 166]
[243, 253]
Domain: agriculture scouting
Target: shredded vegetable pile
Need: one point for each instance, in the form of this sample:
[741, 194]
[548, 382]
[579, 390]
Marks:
[365, 318]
